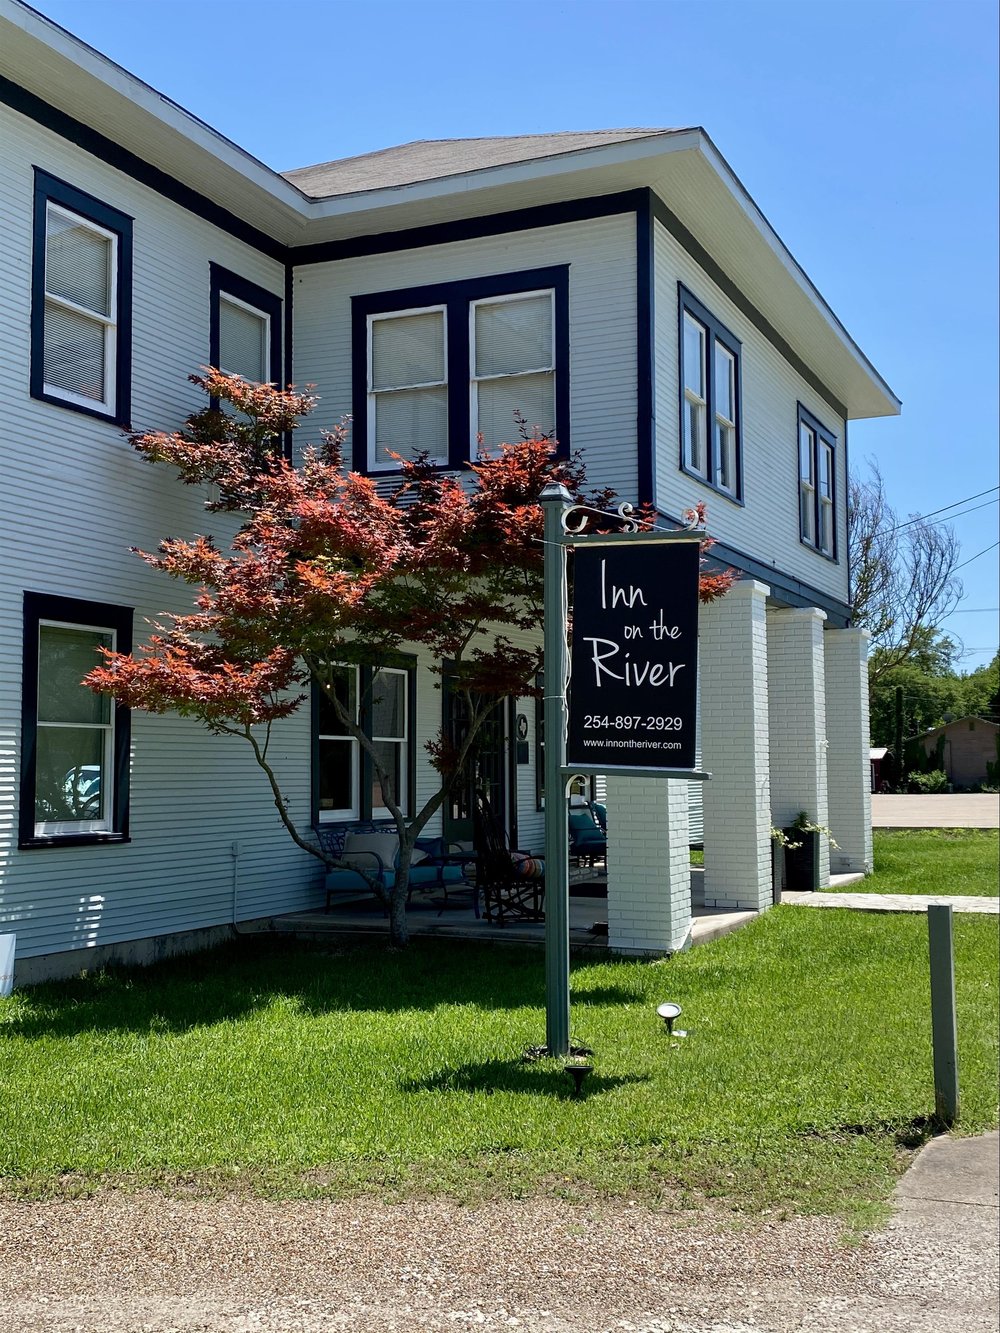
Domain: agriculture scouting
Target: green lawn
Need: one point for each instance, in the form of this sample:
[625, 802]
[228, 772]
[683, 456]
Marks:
[962, 862]
[290, 1069]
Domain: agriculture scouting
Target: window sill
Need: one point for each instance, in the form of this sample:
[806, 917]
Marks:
[112, 417]
[830, 559]
[72, 840]
[710, 486]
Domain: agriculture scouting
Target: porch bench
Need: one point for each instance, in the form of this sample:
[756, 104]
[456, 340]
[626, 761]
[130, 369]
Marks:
[375, 852]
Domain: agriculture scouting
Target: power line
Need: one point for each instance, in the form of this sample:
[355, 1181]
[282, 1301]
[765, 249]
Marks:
[974, 610]
[921, 518]
[984, 551]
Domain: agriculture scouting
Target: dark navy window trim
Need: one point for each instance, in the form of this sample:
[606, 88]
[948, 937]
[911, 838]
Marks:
[40, 606]
[49, 189]
[222, 280]
[821, 436]
[716, 332]
[456, 297]
[397, 662]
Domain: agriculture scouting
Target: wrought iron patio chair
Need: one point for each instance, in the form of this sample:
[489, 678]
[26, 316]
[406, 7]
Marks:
[512, 883]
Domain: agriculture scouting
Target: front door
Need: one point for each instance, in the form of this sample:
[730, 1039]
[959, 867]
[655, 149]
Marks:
[487, 766]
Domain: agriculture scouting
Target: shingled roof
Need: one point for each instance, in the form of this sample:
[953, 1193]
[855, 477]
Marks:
[430, 159]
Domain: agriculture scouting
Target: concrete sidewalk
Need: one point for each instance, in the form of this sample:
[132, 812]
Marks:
[959, 810]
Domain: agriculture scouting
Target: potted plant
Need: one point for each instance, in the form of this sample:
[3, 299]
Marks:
[800, 841]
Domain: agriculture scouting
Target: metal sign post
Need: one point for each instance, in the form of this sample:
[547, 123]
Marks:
[635, 637]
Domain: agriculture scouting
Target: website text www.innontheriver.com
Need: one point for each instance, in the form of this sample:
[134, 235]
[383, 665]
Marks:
[632, 743]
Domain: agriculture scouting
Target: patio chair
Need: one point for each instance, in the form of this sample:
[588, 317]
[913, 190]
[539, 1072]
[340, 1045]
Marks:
[512, 882]
[587, 840]
[368, 853]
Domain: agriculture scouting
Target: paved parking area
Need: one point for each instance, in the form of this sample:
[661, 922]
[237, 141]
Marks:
[955, 811]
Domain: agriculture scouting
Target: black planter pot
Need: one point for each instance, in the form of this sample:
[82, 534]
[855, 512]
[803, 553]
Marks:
[801, 862]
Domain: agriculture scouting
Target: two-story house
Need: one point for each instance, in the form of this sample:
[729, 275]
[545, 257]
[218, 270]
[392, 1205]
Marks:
[620, 286]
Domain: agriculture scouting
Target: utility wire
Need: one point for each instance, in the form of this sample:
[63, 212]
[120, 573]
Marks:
[923, 518]
[984, 551]
[944, 508]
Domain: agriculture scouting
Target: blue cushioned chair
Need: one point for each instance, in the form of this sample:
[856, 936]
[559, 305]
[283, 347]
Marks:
[369, 853]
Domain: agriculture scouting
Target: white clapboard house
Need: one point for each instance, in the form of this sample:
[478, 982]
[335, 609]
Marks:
[621, 285]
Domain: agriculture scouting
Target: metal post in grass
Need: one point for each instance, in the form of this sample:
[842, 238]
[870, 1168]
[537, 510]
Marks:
[555, 500]
[944, 1029]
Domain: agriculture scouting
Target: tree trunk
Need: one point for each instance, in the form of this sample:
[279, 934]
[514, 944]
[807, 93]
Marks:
[399, 931]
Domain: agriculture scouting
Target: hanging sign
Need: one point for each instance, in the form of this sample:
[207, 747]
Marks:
[634, 675]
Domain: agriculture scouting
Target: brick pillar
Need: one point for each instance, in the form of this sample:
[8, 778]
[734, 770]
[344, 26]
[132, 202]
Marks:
[649, 865]
[846, 665]
[732, 663]
[797, 697]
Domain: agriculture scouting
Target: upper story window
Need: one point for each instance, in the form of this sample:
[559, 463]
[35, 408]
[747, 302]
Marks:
[81, 301]
[711, 429]
[244, 328]
[437, 367]
[817, 485]
[75, 744]
[407, 386]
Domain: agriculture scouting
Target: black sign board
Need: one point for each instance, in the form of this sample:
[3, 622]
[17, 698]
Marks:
[635, 654]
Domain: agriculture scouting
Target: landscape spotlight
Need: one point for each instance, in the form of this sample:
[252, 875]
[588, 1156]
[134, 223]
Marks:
[668, 1011]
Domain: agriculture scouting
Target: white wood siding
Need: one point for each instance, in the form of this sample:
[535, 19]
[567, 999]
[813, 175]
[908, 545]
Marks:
[767, 525]
[75, 497]
[601, 255]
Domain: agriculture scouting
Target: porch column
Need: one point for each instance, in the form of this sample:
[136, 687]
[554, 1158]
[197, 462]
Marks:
[797, 695]
[847, 728]
[649, 865]
[732, 656]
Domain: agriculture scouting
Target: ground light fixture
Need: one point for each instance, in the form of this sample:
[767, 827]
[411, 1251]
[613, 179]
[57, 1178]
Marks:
[669, 1011]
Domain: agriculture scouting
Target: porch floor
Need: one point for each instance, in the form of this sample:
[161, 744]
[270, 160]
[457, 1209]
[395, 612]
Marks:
[430, 917]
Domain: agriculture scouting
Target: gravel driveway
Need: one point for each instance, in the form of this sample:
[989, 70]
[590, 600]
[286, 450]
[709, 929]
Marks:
[123, 1263]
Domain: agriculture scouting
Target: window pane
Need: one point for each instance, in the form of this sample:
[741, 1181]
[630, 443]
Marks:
[826, 470]
[826, 527]
[513, 335]
[336, 775]
[64, 658]
[694, 356]
[694, 436]
[243, 338]
[69, 773]
[390, 756]
[725, 388]
[78, 264]
[805, 453]
[408, 349]
[531, 395]
[345, 686]
[807, 514]
[389, 705]
[74, 352]
[411, 420]
[725, 457]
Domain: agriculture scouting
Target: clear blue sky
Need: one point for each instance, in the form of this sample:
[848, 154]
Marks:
[867, 133]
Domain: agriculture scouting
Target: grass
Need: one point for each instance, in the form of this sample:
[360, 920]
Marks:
[960, 862]
[291, 1070]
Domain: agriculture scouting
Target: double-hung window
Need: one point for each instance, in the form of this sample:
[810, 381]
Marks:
[75, 744]
[345, 782]
[711, 429]
[817, 485]
[244, 328]
[513, 365]
[439, 369]
[407, 386]
[81, 301]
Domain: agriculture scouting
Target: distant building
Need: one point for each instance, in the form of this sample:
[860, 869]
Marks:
[970, 743]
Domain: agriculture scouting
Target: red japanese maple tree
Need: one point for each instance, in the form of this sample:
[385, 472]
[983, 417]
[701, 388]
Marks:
[329, 568]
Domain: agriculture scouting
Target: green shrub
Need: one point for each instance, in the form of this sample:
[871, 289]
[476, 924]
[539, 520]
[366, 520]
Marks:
[925, 783]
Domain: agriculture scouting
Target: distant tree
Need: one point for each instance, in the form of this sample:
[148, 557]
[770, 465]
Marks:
[903, 582]
[326, 569]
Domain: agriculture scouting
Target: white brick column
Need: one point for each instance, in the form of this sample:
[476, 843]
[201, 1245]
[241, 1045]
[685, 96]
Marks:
[732, 663]
[797, 697]
[845, 653]
[649, 865]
